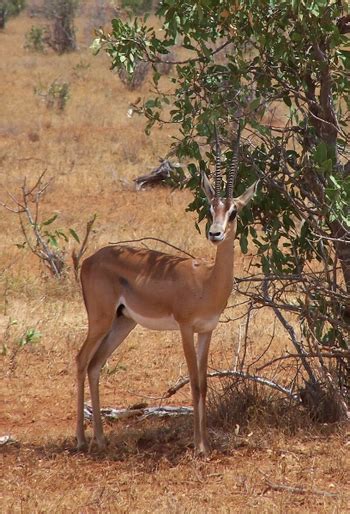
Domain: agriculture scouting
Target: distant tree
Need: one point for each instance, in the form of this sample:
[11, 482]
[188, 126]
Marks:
[2, 16]
[137, 7]
[9, 8]
[62, 14]
[244, 60]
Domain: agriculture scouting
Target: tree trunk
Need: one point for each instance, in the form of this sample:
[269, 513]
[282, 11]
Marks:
[64, 34]
[342, 249]
[325, 121]
[2, 17]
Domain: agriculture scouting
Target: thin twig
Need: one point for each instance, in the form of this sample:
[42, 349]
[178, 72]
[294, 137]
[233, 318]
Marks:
[151, 239]
[76, 256]
[325, 355]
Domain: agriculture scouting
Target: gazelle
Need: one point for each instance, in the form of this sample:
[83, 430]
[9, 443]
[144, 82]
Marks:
[124, 286]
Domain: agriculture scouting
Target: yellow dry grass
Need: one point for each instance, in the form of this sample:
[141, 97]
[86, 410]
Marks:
[93, 151]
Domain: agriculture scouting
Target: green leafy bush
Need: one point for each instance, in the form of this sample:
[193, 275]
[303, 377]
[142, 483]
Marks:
[35, 39]
[10, 8]
[55, 95]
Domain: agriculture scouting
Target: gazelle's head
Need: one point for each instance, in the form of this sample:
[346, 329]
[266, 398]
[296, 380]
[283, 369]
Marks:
[224, 210]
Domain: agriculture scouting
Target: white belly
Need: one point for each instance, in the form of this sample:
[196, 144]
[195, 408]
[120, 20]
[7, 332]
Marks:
[164, 323]
[167, 322]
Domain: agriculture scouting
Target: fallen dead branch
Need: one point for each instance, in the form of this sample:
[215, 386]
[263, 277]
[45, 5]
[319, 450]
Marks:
[158, 176]
[116, 414]
[296, 489]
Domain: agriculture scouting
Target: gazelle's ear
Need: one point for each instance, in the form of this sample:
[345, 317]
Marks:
[244, 199]
[207, 187]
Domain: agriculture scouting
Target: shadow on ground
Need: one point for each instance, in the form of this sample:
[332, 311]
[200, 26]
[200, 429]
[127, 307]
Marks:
[146, 441]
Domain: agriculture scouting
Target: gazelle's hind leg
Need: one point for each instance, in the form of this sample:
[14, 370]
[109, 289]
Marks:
[94, 338]
[101, 313]
[121, 327]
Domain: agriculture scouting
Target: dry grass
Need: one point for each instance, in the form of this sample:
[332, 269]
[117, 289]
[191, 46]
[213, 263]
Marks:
[93, 151]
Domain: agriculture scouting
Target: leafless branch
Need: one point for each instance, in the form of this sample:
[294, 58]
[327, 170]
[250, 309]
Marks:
[297, 345]
[32, 195]
[237, 374]
[336, 354]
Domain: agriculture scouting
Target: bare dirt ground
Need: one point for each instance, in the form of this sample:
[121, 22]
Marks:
[93, 151]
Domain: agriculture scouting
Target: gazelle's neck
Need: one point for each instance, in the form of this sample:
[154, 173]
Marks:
[221, 278]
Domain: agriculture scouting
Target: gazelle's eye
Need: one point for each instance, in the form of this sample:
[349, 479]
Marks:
[233, 215]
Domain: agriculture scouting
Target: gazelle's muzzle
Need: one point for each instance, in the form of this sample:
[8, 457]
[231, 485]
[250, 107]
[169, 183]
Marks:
[216, 233]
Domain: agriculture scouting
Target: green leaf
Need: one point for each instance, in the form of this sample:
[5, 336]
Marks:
[243, 241]
[265, 265]
[74, 235]
[52, 240]
[320, 154]
[287, 101]
[345, 56]
[254, 104]
[50, 220]
[31, 336]
[96, 46]
[327, 165]
[335, 181]
[295, 36]
[62, 235]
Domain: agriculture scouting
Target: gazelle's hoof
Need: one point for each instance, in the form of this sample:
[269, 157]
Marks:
[101, 445]
[81, 446]
[202, 451]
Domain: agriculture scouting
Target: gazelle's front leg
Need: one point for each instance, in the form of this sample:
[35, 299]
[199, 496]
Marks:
[202, 362]
[191, 359]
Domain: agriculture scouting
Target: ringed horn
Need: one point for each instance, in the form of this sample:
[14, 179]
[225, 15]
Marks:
[233, 168]
[218, 176]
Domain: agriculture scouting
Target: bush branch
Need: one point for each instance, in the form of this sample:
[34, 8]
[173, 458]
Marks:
[237, 374]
